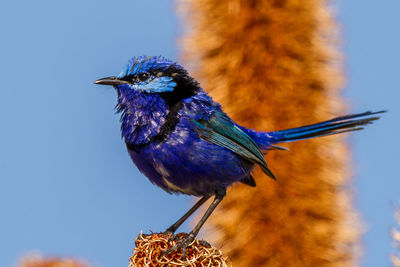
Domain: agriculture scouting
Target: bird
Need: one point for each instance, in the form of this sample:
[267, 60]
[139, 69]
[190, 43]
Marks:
[181, 139]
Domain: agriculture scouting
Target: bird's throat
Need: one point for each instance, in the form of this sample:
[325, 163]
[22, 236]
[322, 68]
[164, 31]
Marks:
[142, 116]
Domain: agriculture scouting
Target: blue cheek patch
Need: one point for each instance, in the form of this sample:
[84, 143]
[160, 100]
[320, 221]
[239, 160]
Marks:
[160, 84]
[156, 85]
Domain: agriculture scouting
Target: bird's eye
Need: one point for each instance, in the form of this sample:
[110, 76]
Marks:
[143, 76]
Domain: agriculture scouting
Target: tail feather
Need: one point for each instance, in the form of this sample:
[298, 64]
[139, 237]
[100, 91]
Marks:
[337, 125]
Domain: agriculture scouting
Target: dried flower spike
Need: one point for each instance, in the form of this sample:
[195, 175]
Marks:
[149, 249]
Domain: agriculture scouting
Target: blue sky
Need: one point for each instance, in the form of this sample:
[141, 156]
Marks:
[371, 36]
[67, 185]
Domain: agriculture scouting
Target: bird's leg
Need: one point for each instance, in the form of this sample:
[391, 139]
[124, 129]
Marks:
[186, 241]
[171, 230]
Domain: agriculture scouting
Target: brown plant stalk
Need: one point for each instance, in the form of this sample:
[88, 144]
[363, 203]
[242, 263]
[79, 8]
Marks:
[396, 239]
[40, 261]
[274, 64]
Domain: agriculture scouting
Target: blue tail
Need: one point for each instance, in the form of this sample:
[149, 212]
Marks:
[337, 125]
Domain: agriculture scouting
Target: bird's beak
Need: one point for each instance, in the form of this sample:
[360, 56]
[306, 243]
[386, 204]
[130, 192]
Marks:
[110, 81]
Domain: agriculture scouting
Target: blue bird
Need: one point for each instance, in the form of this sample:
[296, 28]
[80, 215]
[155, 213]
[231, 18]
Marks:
[184, 143]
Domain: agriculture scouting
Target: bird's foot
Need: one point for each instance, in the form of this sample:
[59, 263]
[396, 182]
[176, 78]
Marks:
[204, 243]
[171, 234]
[182, 243]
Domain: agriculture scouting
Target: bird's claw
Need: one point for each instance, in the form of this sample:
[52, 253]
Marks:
[171, 235]
[183, 243]
[204, 243]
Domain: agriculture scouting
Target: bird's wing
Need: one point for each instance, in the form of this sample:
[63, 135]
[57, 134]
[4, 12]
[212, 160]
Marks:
[222, 131]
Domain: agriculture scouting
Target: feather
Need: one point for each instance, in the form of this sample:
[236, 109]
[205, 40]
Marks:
[248, 180]
[337, 125]
[222, 131]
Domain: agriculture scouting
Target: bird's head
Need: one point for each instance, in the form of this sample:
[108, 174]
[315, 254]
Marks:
[153, 76]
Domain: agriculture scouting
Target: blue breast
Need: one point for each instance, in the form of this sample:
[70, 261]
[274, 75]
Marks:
[184, 163]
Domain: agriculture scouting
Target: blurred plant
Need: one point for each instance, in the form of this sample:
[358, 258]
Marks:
[274, 64]
[39, 261]
[396, 239]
